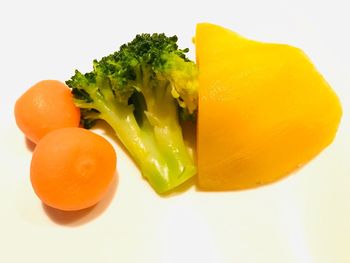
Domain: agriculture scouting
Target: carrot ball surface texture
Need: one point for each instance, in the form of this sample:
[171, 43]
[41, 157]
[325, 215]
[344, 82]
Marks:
[72, 168]
[46, 106]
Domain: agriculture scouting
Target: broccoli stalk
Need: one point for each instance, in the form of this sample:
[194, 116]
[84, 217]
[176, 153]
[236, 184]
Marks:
[140, 91]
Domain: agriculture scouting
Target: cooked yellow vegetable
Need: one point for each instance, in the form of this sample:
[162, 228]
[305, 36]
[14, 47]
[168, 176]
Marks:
[264, 110]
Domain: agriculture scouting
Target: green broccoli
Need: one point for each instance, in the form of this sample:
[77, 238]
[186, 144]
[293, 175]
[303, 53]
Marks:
[141, 91]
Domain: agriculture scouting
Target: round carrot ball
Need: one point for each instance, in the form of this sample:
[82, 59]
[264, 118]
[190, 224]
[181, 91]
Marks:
[72, 168]
[46, 106]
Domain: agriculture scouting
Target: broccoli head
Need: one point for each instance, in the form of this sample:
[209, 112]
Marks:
[142, 91]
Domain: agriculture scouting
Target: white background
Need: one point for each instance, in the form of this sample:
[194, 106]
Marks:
[303, 218]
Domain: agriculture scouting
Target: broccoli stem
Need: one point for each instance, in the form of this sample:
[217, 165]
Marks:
[159, 152]
[179, 160]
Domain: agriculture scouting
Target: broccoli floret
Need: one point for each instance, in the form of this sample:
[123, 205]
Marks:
[142, 91]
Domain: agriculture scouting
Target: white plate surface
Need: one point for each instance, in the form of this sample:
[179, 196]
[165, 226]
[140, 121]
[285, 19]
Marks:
[303, 218]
